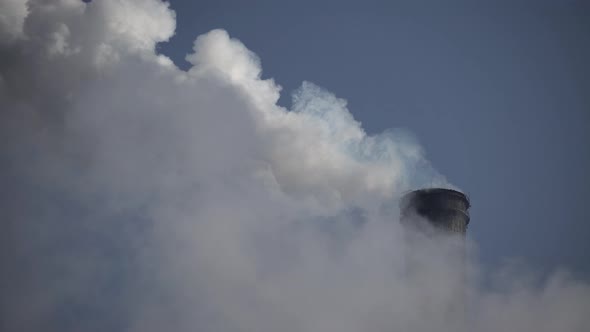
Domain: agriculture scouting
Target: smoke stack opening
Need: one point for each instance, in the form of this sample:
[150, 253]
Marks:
[444, 209]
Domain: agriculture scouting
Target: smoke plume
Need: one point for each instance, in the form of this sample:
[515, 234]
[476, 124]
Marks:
[138, 197]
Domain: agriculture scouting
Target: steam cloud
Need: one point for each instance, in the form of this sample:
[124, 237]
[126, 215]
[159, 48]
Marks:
[139, 197]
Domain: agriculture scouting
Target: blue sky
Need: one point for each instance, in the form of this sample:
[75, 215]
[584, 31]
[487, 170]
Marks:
[497, 93]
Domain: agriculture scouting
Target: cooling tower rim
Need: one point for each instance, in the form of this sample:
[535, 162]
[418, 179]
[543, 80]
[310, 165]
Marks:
[436, 191]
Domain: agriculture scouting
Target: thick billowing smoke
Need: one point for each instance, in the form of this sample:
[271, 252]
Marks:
[139, 197]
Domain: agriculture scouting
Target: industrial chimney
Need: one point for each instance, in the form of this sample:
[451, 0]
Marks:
[435, 222]
[444, 209]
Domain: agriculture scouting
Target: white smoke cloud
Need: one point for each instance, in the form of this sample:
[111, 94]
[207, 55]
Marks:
[139, 197]
[12, 17]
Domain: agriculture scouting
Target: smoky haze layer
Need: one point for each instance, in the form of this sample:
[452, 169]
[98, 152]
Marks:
[139, 197]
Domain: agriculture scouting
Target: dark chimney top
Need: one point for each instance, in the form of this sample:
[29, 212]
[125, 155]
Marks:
[445, 209]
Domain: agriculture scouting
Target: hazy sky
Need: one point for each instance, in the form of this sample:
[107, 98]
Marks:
[497, 92]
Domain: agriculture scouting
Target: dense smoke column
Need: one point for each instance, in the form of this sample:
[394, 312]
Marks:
[435, 222]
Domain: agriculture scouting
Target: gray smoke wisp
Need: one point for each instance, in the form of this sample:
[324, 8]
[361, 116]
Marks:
[139, 197]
